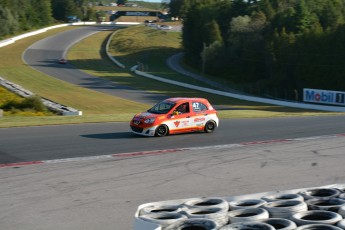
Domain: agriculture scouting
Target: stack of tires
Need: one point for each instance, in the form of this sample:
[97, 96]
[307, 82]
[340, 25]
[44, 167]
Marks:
[311, 209]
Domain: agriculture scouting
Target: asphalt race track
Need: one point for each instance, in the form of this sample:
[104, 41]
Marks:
[242, 156]
[67, 141]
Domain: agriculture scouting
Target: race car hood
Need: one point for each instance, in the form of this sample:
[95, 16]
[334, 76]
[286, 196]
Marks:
[145, 115]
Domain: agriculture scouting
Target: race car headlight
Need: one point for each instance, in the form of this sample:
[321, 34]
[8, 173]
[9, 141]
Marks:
[149, 120]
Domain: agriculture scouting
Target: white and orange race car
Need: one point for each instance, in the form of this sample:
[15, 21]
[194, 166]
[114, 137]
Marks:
[176, 115]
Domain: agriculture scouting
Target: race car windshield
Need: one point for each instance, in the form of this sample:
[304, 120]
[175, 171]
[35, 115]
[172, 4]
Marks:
[161, 108]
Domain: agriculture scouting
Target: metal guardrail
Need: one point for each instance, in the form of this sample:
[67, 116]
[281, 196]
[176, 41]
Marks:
[56, 107]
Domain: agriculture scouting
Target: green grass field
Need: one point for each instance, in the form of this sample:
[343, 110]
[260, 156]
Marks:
[146, 45]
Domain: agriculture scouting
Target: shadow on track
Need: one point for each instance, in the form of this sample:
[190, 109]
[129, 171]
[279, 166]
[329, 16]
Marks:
[121, 135]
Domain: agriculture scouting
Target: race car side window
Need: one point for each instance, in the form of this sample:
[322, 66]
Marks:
[183, 108]
[161, 108]
[199, 107]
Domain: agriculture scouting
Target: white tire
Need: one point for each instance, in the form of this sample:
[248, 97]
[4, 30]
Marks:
[329, 204]
[218, 215]
[248, 214]
[250, 203]
[164, 218]
[341, 211]
[320, 193]
[248, 225]
[341, 224]
[285, 208]
[160, 208]
[287, 196]
[202, 224]
[207, 203]
[342, 196]
[318, 227]
[280, 223]
[316, 217]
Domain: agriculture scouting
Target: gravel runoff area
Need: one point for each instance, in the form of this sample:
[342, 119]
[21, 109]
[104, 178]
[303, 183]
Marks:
[104, 193]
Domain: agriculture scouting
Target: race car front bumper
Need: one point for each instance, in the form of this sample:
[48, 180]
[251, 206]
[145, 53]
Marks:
[150, 131]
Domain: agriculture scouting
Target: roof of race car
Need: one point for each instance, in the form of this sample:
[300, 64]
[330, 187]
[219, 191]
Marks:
[179, 99]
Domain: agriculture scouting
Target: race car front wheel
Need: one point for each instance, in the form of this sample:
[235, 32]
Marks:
[162, 131]
[210, 126]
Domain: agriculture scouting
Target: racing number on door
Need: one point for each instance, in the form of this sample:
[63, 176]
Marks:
[196, 106]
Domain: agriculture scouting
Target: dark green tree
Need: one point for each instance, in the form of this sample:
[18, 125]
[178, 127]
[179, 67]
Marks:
[212, 33]
[174, 7]
[332, 15]
[121, 2]
[9, 24]
[266, 7]
[64, 8]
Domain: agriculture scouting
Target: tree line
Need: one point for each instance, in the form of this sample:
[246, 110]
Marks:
[271, 47]
[17, 16]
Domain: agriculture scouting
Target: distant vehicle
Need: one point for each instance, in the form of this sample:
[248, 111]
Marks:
[150, 21]
[176, 115]
[62, 61]
[73, 18]
[152, 25]
[165, 27]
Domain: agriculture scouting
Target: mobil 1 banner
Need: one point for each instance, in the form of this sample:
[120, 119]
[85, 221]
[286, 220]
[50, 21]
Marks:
[324, 96]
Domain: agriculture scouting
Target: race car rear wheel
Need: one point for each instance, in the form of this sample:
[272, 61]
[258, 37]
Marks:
[162, 131]
[210, 126]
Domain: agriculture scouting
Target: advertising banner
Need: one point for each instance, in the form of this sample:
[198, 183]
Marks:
[324, 96]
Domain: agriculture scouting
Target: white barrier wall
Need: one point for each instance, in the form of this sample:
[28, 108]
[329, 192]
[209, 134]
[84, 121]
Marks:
[12, 40]
[244, 97]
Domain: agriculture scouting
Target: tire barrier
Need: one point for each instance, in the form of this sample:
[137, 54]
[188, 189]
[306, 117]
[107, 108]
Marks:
[280, 223]
[316, 217]
[251, 203]
[300, 209]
